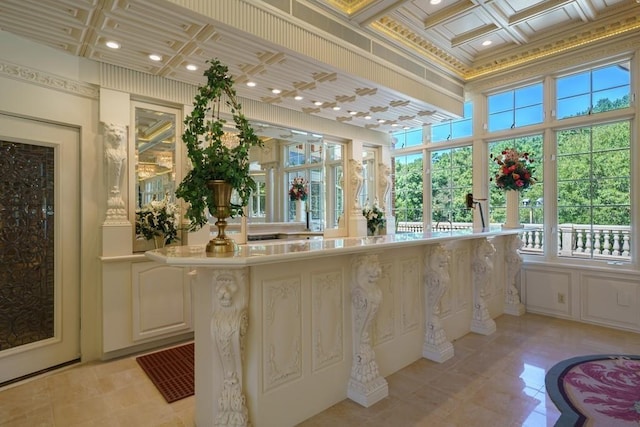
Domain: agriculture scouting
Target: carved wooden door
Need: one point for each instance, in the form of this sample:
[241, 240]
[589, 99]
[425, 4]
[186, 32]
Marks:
[39, 246]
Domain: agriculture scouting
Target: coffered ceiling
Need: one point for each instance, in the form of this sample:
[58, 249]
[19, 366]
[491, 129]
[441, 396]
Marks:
[448, 39]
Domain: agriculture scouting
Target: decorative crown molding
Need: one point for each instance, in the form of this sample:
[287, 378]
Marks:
[48, 80]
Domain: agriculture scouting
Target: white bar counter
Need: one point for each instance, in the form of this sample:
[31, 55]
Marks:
[283, 330]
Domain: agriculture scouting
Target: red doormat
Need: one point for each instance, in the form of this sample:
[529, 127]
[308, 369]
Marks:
[171, 371]
[598, 390]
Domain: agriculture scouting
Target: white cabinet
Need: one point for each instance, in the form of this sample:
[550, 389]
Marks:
[145, 305]
[161, 300]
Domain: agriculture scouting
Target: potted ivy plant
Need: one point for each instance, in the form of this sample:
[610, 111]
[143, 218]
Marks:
[214, 159]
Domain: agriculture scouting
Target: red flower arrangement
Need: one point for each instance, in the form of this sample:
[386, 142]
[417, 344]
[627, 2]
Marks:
[298, 190]
[515, 170]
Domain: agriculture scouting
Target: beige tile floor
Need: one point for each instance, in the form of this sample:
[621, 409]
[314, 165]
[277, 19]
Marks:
[493, 381]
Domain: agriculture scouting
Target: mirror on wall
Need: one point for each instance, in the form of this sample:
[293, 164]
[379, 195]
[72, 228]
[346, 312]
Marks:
[155, 157]
[290, 154]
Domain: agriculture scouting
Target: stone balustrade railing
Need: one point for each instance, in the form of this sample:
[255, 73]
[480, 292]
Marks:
[610, 242]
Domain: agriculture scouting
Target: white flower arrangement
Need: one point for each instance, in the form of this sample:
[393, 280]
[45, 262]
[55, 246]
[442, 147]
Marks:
[158, 218]
[375, 218]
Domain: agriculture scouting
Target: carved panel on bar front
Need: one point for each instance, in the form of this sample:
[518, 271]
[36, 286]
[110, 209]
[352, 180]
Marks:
[327, 321]
[282, 331]
[411, 301]
[383, 326]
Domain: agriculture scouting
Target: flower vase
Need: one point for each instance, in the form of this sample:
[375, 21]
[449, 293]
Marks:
[221, 197]
[513, 209]
[158, 241]
[300, 211]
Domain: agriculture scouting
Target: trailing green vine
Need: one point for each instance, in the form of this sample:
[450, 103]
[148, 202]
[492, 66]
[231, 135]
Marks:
[210, 158]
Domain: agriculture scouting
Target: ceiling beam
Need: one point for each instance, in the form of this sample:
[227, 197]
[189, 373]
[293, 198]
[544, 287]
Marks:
[538, 10]
[474, 34]
[448, 13]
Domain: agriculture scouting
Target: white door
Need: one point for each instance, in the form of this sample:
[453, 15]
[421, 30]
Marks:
[39, 246]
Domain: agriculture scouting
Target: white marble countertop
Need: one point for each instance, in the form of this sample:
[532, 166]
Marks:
[255, 253]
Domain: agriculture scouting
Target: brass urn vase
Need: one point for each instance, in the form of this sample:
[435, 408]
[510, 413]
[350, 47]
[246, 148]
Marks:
[221, 193]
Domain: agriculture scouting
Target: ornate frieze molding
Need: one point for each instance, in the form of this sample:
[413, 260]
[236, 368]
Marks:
[48, 80]
[513, 260]
[366, 386]
[229, 324]
[115, 154]
[482, 267]
[436, 278]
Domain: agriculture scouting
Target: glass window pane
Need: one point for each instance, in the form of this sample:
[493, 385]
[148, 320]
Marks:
[530, 95]
[408, 138]
[408, 173]
[611, 99]
[574, 106]
[440, 132]
[529, 115]
[462, 128]
[611, 136]
[295, 155]
[500, 121]
[500, 102]
[576, 84]
[608, 77]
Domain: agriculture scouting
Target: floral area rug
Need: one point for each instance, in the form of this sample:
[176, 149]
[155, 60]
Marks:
[598, 390]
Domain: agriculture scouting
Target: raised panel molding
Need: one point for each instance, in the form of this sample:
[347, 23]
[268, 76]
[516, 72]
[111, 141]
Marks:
[327, 322]
[161, 300]
[545, 289]
[460, 279]
[610, 301]
[410, 295]
[383, 326]
[282, 331]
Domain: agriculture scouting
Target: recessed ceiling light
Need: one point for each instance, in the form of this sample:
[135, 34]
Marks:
[336, 108]
[394, 124]
[406, 127]
[276, 91]
[318, 103]
[435, 1]
[353, 113]
[298, 97]
[367, 117]
[486, 43]
[113, 45]
[155, 57]
[251, 84]
[191, 67]
[381, 120]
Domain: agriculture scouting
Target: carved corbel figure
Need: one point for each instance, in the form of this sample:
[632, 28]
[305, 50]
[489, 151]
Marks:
[356, 179]
[512, 303]
[115, 154]
[482, 267]
[366, 386]
[384, 184]
[229, 324]
[436, 346]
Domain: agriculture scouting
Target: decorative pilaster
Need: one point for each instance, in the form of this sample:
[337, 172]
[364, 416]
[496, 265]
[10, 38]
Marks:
[512, 304]
[436, 346]
[229, 324]
[482, 266]
[115, 154]
[366, 386]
